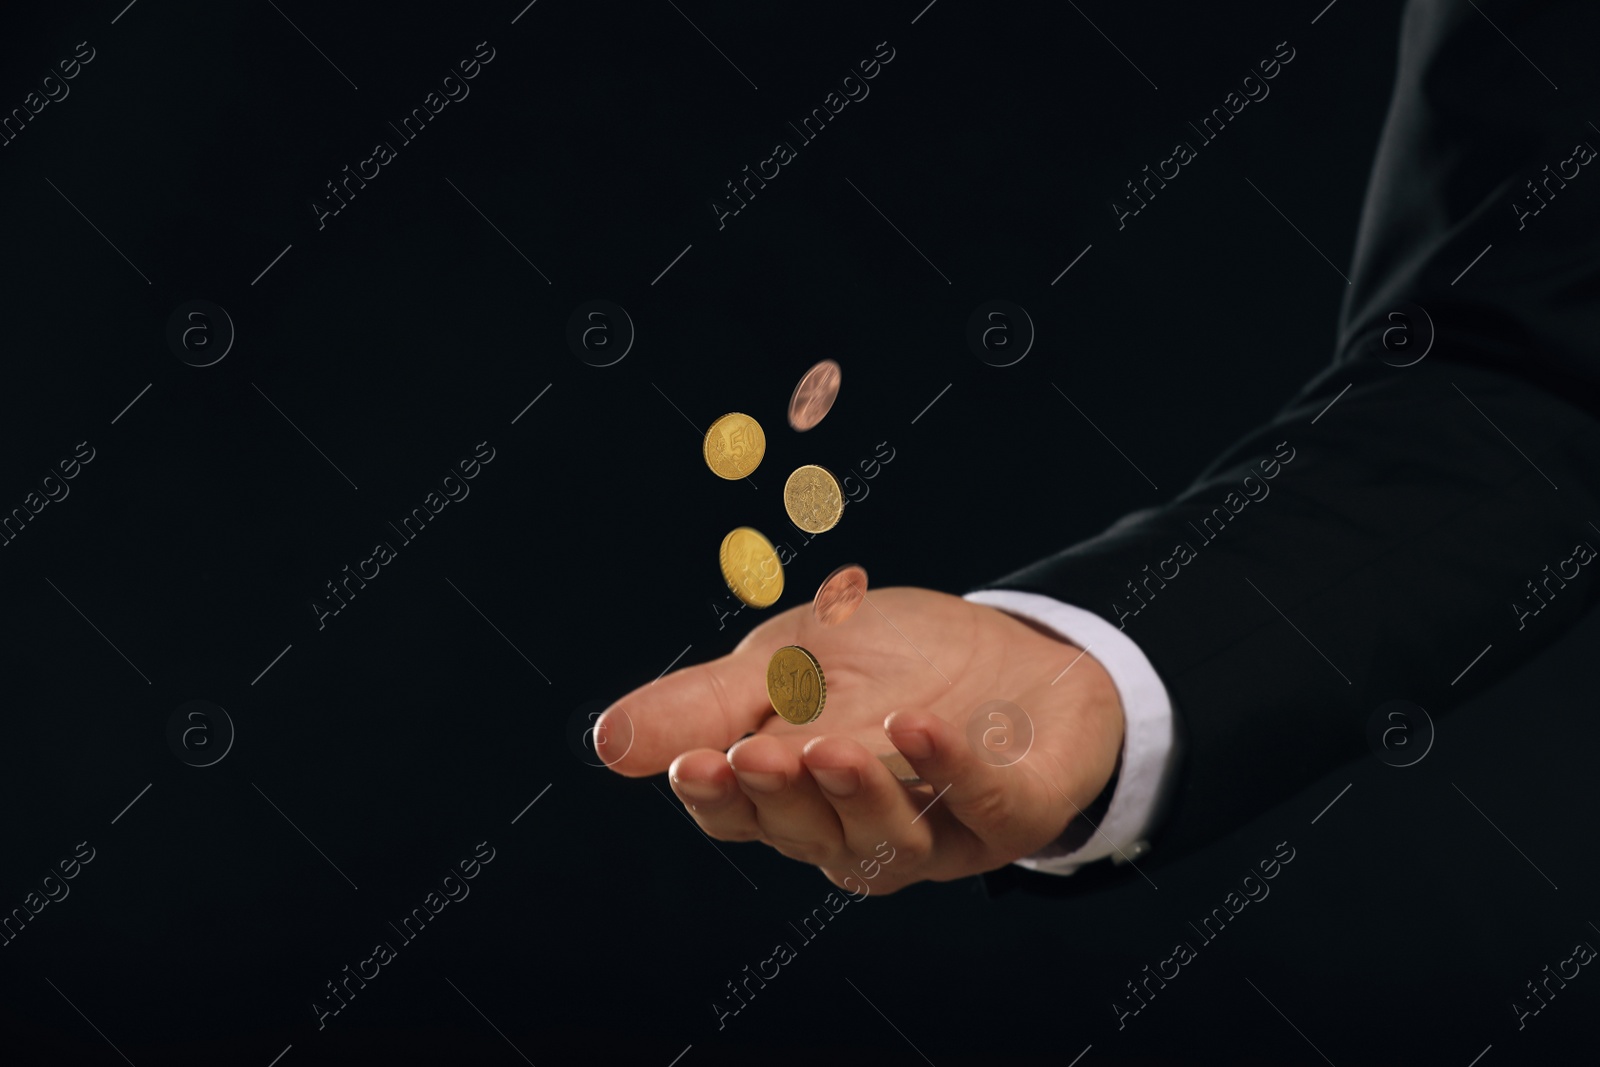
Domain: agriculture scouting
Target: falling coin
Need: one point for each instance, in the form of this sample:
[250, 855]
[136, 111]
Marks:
[751, 567]
[795, 685]
[840, 594]
[734, 446]
[814, 396]
[813, 499]
[901, 768]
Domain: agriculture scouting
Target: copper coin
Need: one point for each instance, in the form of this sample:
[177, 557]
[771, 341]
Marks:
[814, 395]
[840, 594]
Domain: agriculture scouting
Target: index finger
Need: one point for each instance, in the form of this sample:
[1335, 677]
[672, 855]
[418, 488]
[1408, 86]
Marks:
[706, 705]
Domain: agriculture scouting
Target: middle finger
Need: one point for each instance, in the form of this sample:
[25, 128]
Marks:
[794, 816]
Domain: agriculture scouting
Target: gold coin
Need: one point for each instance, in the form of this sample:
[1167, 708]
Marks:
[734, 446]
[813, 499]
[795, 685]
[751, 568]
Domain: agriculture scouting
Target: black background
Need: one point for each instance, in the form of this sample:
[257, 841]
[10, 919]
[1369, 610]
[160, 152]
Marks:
[416, 724]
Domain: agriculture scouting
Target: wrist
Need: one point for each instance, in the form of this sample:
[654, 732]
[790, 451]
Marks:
[1093, 731]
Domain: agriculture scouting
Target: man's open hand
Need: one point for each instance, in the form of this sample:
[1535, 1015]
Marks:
[909, 669]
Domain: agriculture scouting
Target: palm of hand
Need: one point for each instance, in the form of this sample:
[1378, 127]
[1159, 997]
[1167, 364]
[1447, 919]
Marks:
[909, 648]
[907, 672]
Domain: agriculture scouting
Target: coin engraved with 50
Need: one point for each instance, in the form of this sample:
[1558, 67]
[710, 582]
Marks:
[734, 446]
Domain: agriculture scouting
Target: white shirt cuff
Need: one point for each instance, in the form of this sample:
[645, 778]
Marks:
[1149, 749]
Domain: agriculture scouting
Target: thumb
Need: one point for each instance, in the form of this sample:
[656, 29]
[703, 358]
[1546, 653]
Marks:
[705, 705]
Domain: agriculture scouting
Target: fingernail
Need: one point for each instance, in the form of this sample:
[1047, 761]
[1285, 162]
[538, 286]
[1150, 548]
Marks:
[840, 781]
[914, 744]
[761, 781]
[698, 789]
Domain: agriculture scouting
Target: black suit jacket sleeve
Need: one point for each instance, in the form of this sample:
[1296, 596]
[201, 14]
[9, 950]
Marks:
[1341, 556]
